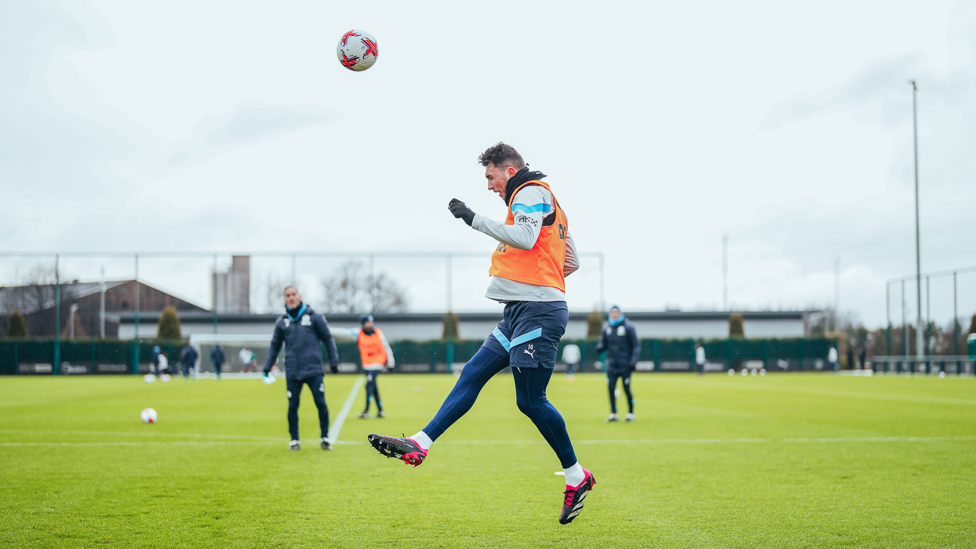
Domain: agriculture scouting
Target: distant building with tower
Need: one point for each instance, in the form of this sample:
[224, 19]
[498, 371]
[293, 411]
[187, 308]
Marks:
[231, 290]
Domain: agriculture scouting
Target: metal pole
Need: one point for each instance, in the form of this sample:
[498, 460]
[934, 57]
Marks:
[101, 321]
[71, 320]
[57, 316]
[215, 294]
[136, 283]
[450, 284]
[603, 302]
[918, 246]
[955, 320]
[837, 288]
[888, 316]
[904, 320]
[294, 270]
[372, 287]
[725, 272]
[928, 317]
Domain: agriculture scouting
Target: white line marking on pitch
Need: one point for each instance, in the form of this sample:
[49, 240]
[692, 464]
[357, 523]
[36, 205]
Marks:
[340, 419]
[169, 443]
[145, 434]
[622, 441]
[725, 440]
[827, 392]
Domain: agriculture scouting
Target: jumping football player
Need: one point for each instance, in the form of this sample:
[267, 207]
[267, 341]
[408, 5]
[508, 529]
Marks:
[528, 269]
[301, 329]
[619, 340]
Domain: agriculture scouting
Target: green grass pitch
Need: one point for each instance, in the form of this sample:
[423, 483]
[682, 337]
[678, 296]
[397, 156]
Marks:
[790, 460]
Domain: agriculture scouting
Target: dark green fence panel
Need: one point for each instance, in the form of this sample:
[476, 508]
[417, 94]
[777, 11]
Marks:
[676, 355]
[783, 355]
[8, 357]
[412, 356]
[746, 350]
[716, 354]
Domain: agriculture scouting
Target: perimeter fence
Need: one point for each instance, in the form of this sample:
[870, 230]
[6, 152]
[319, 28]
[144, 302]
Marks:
[86, 357]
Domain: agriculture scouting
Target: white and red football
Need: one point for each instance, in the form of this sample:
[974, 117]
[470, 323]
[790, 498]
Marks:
[148, 415]
[357, 50]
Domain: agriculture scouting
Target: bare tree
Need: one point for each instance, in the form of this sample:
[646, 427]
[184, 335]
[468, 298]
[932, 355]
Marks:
[351, 290]
[37, 290]
[269, 292]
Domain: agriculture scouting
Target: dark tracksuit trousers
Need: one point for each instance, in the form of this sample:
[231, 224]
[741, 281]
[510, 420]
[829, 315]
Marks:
[317, 385]
[526, 340]
[612, 377]
[372, 390]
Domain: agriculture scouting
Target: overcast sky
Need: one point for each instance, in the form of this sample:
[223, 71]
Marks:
[662, 126]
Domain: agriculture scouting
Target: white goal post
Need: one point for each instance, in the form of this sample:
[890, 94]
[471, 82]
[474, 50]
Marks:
[232, 345]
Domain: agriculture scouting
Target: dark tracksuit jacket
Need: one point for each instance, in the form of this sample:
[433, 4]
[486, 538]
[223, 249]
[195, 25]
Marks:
[217, 356]
[301, 336]
[188, 358]
[622, 346]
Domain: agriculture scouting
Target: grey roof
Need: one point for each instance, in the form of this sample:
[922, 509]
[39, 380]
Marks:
[32, 298]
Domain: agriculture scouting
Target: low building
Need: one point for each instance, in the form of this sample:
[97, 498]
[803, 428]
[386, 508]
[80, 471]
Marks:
[37, 303]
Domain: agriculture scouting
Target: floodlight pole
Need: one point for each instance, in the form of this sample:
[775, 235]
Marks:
[101, 307]
[57, 316]
[918, 248]
[372, 287]
[888, 317]
[136, 284]
[603, 303]
[955, 319]
[725, 272]
[215, 294]
[928, 316]
[450, 284]
[904, 320]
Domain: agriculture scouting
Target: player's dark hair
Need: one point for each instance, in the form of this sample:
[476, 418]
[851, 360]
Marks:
[502, 156]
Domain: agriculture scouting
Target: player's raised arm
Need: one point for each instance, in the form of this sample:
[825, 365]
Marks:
[529, 208]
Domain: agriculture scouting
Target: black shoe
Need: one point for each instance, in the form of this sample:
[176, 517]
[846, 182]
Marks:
[364, 415]
[295, 445]
[573, 498]
[381, 414]
[398, 447]
[326, 445]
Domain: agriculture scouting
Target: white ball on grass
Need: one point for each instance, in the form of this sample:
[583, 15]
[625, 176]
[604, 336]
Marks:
[148, 415]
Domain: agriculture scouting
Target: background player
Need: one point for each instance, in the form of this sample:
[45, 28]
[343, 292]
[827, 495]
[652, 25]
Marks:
[301, 329]
[700, 358]
[217, 359]
[375, 354]
[249, 360]
[534, 254]
[619, 340]
[188, 361]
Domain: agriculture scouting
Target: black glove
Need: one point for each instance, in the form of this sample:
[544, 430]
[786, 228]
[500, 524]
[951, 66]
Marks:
[461, 211]
[334, 368]
[633, 367]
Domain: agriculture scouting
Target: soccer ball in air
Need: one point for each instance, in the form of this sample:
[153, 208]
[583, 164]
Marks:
[357, 50]
[148, 415]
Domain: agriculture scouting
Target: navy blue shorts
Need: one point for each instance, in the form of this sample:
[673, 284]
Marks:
[529, 333]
